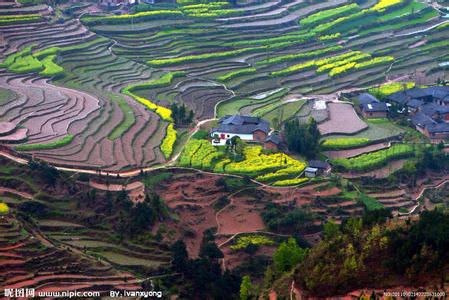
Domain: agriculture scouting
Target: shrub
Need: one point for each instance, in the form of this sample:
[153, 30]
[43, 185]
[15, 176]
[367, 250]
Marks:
[168, 141]
[245, 241]
[4, 209]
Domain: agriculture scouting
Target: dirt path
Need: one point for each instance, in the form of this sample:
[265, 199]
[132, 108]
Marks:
[116, 187]
[356, 151]
[25, 195]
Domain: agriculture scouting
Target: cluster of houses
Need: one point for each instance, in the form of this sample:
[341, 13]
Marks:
[428, 109]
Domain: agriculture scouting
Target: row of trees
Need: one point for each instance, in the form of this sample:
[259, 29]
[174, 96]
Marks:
[181, 115]
[303, 138]
[202, 278]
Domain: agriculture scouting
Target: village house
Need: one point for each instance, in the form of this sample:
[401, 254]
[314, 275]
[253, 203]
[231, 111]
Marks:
[272, 142]
[317, 168]
[375, 110]
[250, 129]
[371, 107]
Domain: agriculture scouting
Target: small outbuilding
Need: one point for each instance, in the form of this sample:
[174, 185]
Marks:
[311, 172]
[323, 167]
[375, 110]
[272, 142]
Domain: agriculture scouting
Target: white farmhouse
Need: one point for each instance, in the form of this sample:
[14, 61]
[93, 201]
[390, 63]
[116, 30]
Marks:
[251, 129]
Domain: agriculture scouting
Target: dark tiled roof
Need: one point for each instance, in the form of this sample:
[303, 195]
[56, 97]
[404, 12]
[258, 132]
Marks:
[437, 92]
[399, 97]
[415, 103]
[274, 138]
[431, 109]
[239, 120]
[242, 124]
[375, 107]
[366, 98]
[438, 128]
[318, 164]
[422, 120]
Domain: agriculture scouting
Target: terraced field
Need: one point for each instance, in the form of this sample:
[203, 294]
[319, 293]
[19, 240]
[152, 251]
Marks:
[258, 59]
[28, 260]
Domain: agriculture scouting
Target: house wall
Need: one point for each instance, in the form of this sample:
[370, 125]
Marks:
[374, 114]
[259, 135]
[270, 146]
[438, 137]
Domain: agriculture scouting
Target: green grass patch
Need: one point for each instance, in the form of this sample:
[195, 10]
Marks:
[255, 240]
[200, 135]
[370, 203]
[52, 145]
[326, 15]
[343, 143]
[373, 160]
[151, 180]
[127, 121]
[14, 19]
[234, 74]
[6, 96]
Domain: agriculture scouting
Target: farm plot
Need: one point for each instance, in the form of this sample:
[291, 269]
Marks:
[307, 49]
[342, 120]
[56, 268]
[90, 123]
[261, 166]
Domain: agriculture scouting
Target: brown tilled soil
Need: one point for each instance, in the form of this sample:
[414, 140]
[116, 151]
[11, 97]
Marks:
[30, 264]
[342, 119]
[192, 196]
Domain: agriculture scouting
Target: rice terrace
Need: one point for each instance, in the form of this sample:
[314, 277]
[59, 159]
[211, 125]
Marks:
[223, 149]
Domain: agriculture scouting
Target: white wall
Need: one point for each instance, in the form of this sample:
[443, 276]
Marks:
[244, 137]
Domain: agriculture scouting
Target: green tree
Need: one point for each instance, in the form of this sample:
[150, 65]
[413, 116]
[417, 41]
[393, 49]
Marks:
[288, 255]
[246, 288]
[180, 256]
[330, 230]
[303, 138]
